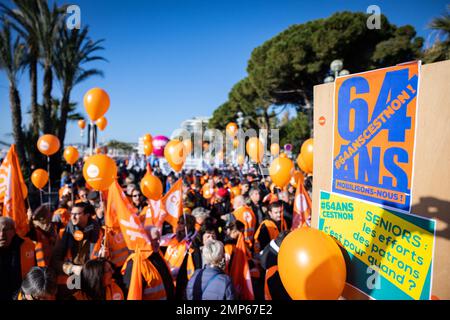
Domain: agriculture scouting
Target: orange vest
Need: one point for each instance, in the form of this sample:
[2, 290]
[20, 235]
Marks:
[269, 273]
[245, 215]
[43, 249]
[27, 256]
[154, 286]
[113, 292]
[174, 257]
[273, 232]
[228, 250]
[118, 250]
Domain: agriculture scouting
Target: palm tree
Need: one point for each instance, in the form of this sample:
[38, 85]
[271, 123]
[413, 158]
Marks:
[12, 57]
[24, 21]
[441, 48]
[74, 49]
[48, 24]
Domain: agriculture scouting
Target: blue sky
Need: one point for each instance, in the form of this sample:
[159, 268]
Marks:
[172, 60]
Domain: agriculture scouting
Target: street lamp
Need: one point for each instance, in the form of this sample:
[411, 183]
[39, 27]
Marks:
[336, 67]
[240, 119]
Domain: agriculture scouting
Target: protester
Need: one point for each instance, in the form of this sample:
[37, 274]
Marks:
[210, 282]
[271, 227]
[97, 282]
[43, 233]
[38, 284]
[17, 257]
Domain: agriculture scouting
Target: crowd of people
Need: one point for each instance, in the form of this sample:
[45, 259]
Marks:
[63, 256]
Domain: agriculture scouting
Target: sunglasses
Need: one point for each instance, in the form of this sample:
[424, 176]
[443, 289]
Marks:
[135, 195]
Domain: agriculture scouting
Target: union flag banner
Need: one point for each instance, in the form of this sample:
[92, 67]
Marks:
[120, 214]
[172, 202]
[13, 191]
[302, 207]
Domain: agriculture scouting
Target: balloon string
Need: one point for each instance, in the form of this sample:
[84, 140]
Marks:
[49, 184]
[40, 195]
[73, 189]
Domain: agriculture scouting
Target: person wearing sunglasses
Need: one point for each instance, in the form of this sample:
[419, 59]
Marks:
[137, 200]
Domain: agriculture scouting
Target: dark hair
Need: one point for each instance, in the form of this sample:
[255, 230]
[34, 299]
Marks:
[189, 225]
[87, 208]
[92, 279]
[64, 202]
[38, 282]
[236, 225]
[276, 204]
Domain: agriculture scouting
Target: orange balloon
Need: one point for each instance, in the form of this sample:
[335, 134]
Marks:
[99, 171]
[48, 144]
[281, 171]
[240, 159]
[39, 178]
[101, 123]
[206, 192]
[151, 187]
[307, 152]
[187, 145]
[98, 150]
[235, 143]
[236, 191]
[302, 164]
[296, 178]
[175, 154]
[283, 155]
[148, 138]
[81, 124]
[275, 149]
[232, 129]
[255, 149]
[71, 155]
[148, 148]
[96, 103]
[311, 265]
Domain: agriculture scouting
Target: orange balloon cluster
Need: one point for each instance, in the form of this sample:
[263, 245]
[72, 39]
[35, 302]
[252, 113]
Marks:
[255, 149]
[71, 155]
[48, 144]
[39, 178]
[311, 265]
[305, 158]
[281, 171]
[151, 187]
[175, 154]
[96, 102]
[99, 171]
[148, 144]
[101, 123]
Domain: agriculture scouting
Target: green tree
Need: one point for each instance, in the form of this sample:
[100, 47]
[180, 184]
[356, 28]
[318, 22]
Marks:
[440, 50]
[74, 49]
[12, 58]
[295, 131]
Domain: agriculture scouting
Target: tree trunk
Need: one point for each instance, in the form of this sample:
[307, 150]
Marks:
[47, 93]
[16, 112]
[34, 103]
[61, 132]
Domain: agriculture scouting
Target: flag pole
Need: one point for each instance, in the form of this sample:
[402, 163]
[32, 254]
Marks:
[49, 184]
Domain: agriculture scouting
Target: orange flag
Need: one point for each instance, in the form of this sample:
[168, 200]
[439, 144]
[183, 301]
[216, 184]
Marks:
[13, 191]
[172, 202]
[240, 272]
[154, 214]
[302, 207]
[135, 291]
[121, 215]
